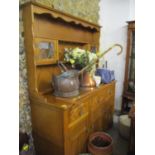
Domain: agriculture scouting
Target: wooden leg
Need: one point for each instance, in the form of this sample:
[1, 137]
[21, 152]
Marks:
[132, 138]
[122, 109]
[124, 104]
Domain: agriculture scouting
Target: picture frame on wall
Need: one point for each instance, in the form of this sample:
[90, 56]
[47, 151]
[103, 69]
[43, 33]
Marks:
[46, 51]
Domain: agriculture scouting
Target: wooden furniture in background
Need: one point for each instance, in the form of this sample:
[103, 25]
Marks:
[131, 150]
[61, 126]
[129, 80]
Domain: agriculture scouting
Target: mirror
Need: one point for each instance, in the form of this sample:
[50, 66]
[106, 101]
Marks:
[46, 50]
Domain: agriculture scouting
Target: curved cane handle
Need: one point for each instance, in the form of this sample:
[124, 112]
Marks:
[109, 49]
[121, 48]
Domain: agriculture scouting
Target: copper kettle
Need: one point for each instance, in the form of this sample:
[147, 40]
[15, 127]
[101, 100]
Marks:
[67, 83]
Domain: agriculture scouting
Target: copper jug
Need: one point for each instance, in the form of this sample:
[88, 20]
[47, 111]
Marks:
[87, 81]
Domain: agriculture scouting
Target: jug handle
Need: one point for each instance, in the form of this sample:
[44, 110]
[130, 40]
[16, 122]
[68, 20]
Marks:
[61, 69]
[62, 66]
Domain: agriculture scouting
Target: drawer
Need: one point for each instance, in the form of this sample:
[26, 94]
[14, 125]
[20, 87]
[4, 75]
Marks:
[77, 111]
[106, 93]
[102, 96]
[75, 129]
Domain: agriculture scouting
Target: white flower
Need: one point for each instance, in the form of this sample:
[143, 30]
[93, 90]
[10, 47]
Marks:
[92, 56]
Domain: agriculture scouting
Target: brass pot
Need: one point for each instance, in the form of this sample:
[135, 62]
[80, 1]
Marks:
[87, 81]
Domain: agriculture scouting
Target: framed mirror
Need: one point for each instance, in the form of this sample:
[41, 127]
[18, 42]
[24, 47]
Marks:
[46, 51]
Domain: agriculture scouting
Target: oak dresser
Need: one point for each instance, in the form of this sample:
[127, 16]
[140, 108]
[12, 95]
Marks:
[61, 126]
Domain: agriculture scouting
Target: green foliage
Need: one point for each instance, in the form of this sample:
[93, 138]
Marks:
[78, 58]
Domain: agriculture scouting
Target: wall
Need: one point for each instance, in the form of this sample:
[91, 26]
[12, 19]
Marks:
[132, 10]
[87, 9]
[113, 17]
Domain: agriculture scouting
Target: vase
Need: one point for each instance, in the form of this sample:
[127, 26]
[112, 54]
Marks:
[87, 81]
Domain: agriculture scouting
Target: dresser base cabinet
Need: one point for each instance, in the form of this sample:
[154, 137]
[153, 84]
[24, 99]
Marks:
[61, 126]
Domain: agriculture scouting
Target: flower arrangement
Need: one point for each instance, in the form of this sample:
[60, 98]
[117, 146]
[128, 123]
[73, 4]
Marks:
[79, 58]
[83, 59]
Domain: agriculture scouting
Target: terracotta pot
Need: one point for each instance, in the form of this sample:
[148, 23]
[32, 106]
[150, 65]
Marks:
[105, 145]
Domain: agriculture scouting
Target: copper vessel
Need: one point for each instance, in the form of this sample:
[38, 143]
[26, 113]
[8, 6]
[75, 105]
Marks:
[87, 81]
[67, 83]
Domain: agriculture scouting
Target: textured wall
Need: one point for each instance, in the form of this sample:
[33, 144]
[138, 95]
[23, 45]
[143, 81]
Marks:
[86, 9]
[24, 108]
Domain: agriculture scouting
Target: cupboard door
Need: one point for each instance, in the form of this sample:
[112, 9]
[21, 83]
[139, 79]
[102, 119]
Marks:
[110, 112]
[107, 111]
[97, 124]
[78, 135]
[102, 110]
